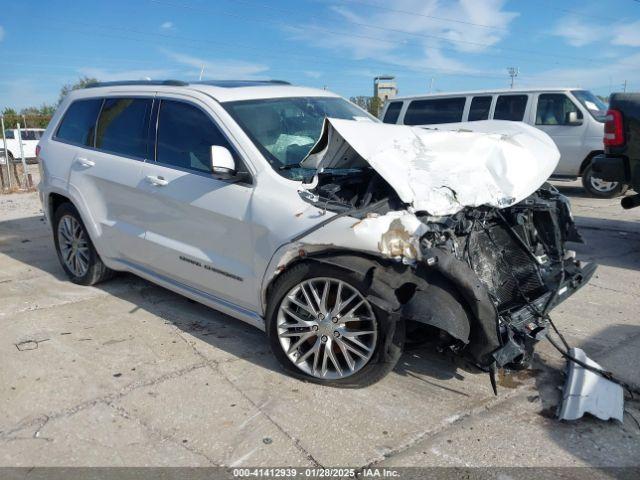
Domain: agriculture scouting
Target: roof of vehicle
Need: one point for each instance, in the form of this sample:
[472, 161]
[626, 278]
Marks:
[22, 129]
[486, 92]
[221, 90]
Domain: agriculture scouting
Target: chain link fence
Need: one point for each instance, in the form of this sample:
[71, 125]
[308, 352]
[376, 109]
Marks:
[18, 162]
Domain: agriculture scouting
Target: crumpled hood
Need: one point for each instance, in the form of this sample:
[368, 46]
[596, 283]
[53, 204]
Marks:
[494, 163]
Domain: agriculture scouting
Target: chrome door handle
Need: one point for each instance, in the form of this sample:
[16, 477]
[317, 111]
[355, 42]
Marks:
[85, 162]
[158, 181]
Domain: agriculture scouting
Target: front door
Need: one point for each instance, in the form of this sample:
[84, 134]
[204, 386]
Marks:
[552, 117]
[199, 230]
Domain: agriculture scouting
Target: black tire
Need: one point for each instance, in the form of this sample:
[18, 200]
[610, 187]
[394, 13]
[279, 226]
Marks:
[616, 191]
[390, 333]
[96, 271]
[10, 158]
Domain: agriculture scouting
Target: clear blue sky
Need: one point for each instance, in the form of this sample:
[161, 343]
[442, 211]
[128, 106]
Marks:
[343, 44]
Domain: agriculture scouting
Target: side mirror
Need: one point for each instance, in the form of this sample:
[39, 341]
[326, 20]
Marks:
[573, 119]
[222, 163]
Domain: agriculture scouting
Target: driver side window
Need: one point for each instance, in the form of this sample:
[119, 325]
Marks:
[554, 109]
[185, 136]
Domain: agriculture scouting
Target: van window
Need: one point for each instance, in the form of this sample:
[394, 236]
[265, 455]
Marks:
[9, 135]
[185, 136]
[436, 110]
[596, 107]
[479, 109]
[554, 109]
[79, 122]
[510, 107]
[28, 135]
[392, 113]
[123, 126]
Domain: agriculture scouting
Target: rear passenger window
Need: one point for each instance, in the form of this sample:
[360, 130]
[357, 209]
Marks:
[79, 122]
[9, 135]
[185, 136]
[437, 110]
[123, 126]
[479, 109]
[510, 107]
[392, 113]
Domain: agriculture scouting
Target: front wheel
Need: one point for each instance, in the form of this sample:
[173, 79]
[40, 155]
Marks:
[322, 328]
[599, 188]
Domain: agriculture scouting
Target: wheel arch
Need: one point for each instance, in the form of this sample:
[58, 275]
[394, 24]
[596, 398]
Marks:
[415, 294]
[587, 161]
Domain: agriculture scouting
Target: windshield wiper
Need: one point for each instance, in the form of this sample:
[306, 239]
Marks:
[290, 166]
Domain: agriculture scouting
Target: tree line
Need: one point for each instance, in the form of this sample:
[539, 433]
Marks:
[39, 117]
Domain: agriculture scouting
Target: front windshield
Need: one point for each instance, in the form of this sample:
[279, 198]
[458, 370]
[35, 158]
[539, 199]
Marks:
[285, 129]
[597, 108]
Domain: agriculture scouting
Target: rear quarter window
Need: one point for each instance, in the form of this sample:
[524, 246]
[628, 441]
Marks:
[392, 113]
[436, 110]
[78, 124]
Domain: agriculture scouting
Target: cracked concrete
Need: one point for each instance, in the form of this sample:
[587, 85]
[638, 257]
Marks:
[133, 375]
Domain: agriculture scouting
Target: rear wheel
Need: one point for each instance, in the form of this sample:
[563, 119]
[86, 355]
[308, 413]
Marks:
[599, 188]
[322, 328]
[76, 252]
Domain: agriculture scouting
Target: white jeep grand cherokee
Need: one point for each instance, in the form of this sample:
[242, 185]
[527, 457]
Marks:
[295, 211]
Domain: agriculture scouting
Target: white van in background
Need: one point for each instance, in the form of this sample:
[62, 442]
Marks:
[573, 118]
[29, 137]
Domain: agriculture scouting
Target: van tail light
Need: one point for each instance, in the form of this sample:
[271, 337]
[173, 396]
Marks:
[38, 151]
[613, 129]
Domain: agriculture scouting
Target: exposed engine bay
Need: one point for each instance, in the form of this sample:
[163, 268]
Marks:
[508, 266]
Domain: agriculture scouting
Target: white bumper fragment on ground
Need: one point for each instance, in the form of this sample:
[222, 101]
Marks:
[586, 391]
[493, 163]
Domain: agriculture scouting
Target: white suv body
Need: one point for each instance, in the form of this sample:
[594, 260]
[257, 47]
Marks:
[245, 197]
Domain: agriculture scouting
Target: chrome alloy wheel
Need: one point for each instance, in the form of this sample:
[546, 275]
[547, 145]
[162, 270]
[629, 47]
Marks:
[602, 185]
[327, 328]
[73, 244]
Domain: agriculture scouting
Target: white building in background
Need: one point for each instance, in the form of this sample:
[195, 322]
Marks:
[384, 87]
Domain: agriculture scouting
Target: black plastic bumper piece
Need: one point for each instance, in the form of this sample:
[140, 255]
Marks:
[527, 322]
[611, 169]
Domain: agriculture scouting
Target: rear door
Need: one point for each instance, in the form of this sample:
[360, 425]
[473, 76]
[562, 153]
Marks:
[199, 232]
[107, 170]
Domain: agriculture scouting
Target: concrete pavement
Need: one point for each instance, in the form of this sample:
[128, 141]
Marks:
[129, 374]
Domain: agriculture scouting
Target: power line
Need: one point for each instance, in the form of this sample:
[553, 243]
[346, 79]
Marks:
[351, 34]
[235, 45]
[433, 17]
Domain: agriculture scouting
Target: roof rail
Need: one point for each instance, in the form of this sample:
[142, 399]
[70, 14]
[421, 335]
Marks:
[240, 83]
[120, 83]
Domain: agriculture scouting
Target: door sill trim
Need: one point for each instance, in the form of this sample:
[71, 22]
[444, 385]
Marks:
[217, 303]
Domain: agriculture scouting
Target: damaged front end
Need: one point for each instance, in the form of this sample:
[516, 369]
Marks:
[512, 268]
[507, 267]
[456, 225]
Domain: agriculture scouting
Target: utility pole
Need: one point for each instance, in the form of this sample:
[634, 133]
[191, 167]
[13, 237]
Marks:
[431, 85]
[624, 86]
[201, 72]
[513, 73]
